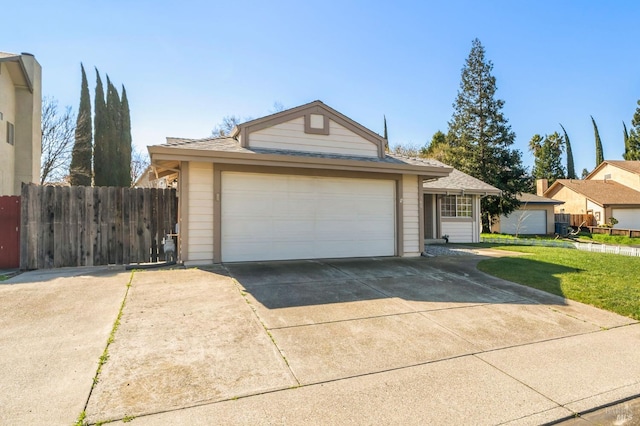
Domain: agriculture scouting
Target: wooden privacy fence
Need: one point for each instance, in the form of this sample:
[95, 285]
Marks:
[86, 226]
[575, 220]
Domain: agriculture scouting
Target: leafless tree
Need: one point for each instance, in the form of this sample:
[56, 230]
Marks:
[405, 150]
[139, 163]
[226, 126]
[58, 133]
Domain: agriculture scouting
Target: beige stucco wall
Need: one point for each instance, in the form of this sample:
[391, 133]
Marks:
[291, 136]
[623, 177]
[410, 216]
[199, 213]
[21, 106]
[7, 152]
[574, 203]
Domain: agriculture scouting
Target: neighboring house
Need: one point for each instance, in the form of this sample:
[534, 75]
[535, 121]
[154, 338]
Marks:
[534, 216]
[602, 198]
[148, 179]
[612, 189]
[452, 207]
[303, 183]
[20, 121]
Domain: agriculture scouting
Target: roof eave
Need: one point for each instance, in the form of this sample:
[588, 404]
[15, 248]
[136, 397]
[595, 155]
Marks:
[158, 152]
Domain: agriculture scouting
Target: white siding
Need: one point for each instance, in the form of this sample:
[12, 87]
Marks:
[200, 211]
[291, 136]
[459, 231]
[410, 216]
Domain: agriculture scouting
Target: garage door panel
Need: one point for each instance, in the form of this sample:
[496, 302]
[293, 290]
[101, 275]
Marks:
[627, 218]
[524, 222]
[298, 217]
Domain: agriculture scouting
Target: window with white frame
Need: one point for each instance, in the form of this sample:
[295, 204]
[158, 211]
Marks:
[456, 206]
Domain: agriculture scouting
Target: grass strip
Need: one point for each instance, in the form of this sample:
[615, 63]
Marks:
[607, 281]
[105, 353]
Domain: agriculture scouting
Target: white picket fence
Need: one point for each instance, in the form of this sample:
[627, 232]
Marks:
[602, 248]
[591, 247]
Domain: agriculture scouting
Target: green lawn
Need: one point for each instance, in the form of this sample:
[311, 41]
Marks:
[610, 239]
[607, 281]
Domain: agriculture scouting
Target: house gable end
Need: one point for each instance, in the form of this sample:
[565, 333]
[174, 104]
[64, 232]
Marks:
[314, 128]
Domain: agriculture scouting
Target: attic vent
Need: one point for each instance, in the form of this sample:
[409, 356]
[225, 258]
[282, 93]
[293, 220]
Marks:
[317, 124]
[607, 177]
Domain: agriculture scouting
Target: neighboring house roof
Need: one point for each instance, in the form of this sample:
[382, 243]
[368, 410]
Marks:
[537, 199]
[604, 193]
[628, 165]
[17, 69]
[459, 183]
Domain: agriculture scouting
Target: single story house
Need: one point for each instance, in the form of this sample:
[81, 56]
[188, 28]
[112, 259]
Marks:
[535, 215]
[452, 207]
[604, 199]
[304, 183]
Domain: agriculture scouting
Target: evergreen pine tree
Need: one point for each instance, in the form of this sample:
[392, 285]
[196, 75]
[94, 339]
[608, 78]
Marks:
[599, 153]
[633, 141]
[80, 169]
[114, 132]
[481, 138]
[101, 165]
[571, 170]
[125, 140]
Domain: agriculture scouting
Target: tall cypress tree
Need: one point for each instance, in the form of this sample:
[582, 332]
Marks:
[114, 126]
[80, 169]
[571, 170]
[101, 166]
[480, 137]
[599, 153]
[386, 135]
[125, 140]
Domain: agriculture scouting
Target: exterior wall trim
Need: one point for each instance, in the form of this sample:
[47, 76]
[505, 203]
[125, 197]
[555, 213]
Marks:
[218, 169]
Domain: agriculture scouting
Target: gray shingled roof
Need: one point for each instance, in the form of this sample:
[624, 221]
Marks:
[537, 199]
[227, 144]
[458, 181]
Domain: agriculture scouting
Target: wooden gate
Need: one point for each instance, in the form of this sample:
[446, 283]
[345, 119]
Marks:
[85, 226]
[9, 232]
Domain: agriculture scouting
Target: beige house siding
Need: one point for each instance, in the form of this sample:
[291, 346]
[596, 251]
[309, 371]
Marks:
[573, 202]
[7, 152]
[410, 216]
[200, 213]
[20, 105]
[621, 176]
[291, 136]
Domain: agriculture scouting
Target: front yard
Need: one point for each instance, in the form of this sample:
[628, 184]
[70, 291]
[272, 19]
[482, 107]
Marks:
[606, 281]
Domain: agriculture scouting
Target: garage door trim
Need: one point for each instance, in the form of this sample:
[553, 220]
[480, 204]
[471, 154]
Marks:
[218, 169]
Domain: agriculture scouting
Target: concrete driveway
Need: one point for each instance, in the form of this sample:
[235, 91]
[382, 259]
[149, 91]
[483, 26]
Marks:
[364, 341]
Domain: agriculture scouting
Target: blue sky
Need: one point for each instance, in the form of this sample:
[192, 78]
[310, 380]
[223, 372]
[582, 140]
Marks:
[187, 64]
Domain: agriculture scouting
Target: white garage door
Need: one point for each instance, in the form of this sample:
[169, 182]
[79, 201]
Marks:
[279, 217]
[524, 222]
[627, 218]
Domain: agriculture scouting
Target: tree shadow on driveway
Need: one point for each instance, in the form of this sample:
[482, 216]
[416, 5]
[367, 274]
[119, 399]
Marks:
[443, 282]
